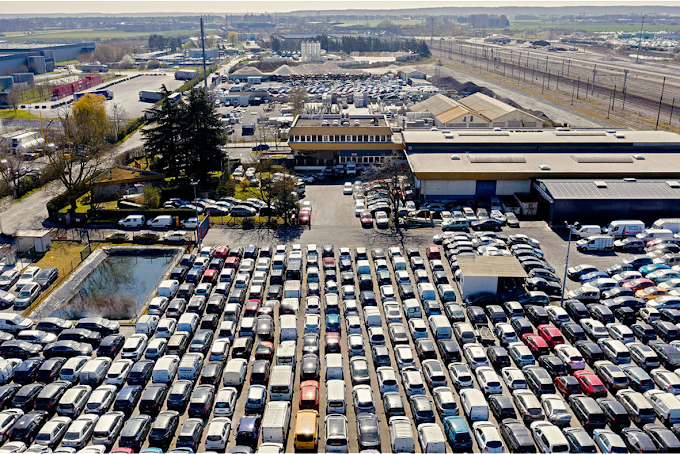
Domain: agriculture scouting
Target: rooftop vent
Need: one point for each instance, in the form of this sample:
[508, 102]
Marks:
[639, 157]
[601, 158]
[448, 136]
[630, 180]
[619, 135]
[496, 158]
[601, 184]
[673, 184]
[581, 133]
[544, 167]
[455, 157]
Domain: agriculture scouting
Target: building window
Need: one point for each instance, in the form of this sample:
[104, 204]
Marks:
[325, 138]
[342, 138]
[337, 138]
[471, 118]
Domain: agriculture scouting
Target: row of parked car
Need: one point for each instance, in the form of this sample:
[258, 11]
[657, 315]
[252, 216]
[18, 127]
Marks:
[28, 284]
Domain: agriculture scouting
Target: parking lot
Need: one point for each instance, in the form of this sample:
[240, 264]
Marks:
[335, 224]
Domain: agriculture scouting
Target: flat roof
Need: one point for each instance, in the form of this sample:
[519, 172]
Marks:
[457, 138]
[364, 120]
[464, 166]
[611, 189]
[491, 266]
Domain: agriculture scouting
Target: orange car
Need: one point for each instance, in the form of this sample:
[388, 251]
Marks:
[309, 395]
[650, 293]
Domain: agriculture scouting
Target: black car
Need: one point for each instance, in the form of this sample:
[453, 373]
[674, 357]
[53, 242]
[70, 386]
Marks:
[210, 322]
[449, 351]
[625, 315]
[196, 304]
[193, 277]
[25, 397]
[28, 426]
[163, 429]
[134, 432]
[111, 345]
[522, 326]
[537, 315]
[187, 260]
[517, 437]
[553, 365]
[276, 277]
[476, 315]
[7, 393]
[587, 411]
[539, 284]
[615, 413]
[259, 374]
[211, 373]
[670, 356]
[47, 277]
[127, 399]
[538, 380]
[425, 349]
[576, 309]
[179, 394]
[153, 398]
[67, 349]
[664, 439]
[501, 406]
[185, 291]
[49, 371]
[243, 348]
[179, 273]
[638, 441]
[140, 372]
[216, 304]
[28, 370]
[579, 440]
[487, 224]
[81, 335]
[49, 396]
[601, 313]
[421, 409]
[590, 350]
[381, 356]
[53, 325]
[644, 332]
[101, 325]
[498, 357]
[480, 299]
[19, 349]
[201, 402]
[573, 332]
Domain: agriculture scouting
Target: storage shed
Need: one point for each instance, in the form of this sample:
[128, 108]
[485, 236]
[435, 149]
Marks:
[40, 239]
[493, 274]
[601, 201]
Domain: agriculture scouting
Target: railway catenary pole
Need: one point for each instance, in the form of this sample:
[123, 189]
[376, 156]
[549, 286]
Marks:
[625, 80]
[658, 115]
[670, 118]
[592, 86]
[205, 72]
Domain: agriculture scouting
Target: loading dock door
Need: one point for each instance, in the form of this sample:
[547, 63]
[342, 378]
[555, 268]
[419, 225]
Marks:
[485, 188]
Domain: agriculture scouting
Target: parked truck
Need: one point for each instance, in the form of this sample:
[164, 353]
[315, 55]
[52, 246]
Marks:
[186, 74]
[596, 243]
[150, 96]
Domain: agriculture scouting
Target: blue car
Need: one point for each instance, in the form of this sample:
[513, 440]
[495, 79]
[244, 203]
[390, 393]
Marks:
[592, 276]
[333, 323]
[432, 308]
[457, 432]
[645, 270]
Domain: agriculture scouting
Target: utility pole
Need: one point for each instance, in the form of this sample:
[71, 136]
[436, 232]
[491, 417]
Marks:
[592, 87]
[637, 58]
[573, 89]
[578, 86]
[670, 118]
[205, 71]
[663, 86]
[623, 90]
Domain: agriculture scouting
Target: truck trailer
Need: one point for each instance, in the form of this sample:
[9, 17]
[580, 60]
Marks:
[186, 74]
[150, 96]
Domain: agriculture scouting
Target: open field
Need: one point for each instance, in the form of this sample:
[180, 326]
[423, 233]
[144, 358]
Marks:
[10, 114]
[91, 34]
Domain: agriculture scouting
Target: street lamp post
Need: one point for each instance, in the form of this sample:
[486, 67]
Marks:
[198, 221]
[566, 261]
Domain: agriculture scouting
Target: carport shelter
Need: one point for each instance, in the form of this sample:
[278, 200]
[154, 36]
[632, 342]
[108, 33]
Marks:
[602, 201]
[501, 275]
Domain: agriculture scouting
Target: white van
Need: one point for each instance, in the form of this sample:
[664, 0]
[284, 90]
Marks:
[672, 224]
[275, 422]
[334, 366]
[147, 324]
[653, 234]
[431, 438]
[440, 326]
[286, 354]
[585, 231]
[235, 372]
[288, 327]
[372, 316]
[188, 323]
[281, 383]
[161, 222]
[623, 228]
[232, 311]
[401, 434]
[94, 371]
[165, 369]
[189, 366]
[132, 221]
[412, 308]
[336, 401]
[474, 404]
[426, 292]
[666, 405]
[168, 288]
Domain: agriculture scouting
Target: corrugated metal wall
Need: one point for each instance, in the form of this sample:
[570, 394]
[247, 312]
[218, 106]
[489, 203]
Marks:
[604, 211]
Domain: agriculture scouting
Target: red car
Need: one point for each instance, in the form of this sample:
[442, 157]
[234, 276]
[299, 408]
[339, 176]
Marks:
[551, 335]
[638, 284]
[567, 385]
[366, 219]
[329, 263]
[232, 262]
[536, 344]
[123, 451]
[332, 342]
[590, 383]
[251, 307]
[304, 217]
[221, 252]
[309, 395]
[264, 350]
[210, 276]
[433, 253]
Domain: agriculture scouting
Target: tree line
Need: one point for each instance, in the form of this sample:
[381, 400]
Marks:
[349, 44]
[160, 42]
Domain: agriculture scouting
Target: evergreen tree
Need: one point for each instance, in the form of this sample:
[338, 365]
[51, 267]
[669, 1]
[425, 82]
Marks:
[203, 134]
[163, 142]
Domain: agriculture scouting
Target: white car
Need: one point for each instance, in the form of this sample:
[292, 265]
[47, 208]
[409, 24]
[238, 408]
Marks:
[27, 276]
[487, 436]
[359, 207]
[155, 348]
[475, 355]
[557, 315]
[402, 277]
[313, 305]
[134, 347]
[620, 332]
[79, 432]
[387, 379]
[488, 380]
[413, 381]
[118, 372]
[354, 324]
[312, 324]
[101, 399]
[176, 237]
[393, 313]
[190, 223]
[166, 327]
[556, 409]
[594, 328]
[218, 433]
[514, 378]
[347, 189]
[666, 380]
[219, 350]
[381, 219]
[225, 401]
[570, 356]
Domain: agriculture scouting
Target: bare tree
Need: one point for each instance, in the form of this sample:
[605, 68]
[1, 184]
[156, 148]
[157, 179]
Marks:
[298, 98]
[395, 174]
[9, 170]
[119, 117]
[15, 98]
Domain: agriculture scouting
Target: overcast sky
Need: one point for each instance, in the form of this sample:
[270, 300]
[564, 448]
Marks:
[254, 6]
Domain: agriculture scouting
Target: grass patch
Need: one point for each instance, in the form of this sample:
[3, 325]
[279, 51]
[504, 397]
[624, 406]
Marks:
[64, 255]
[9, 114]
